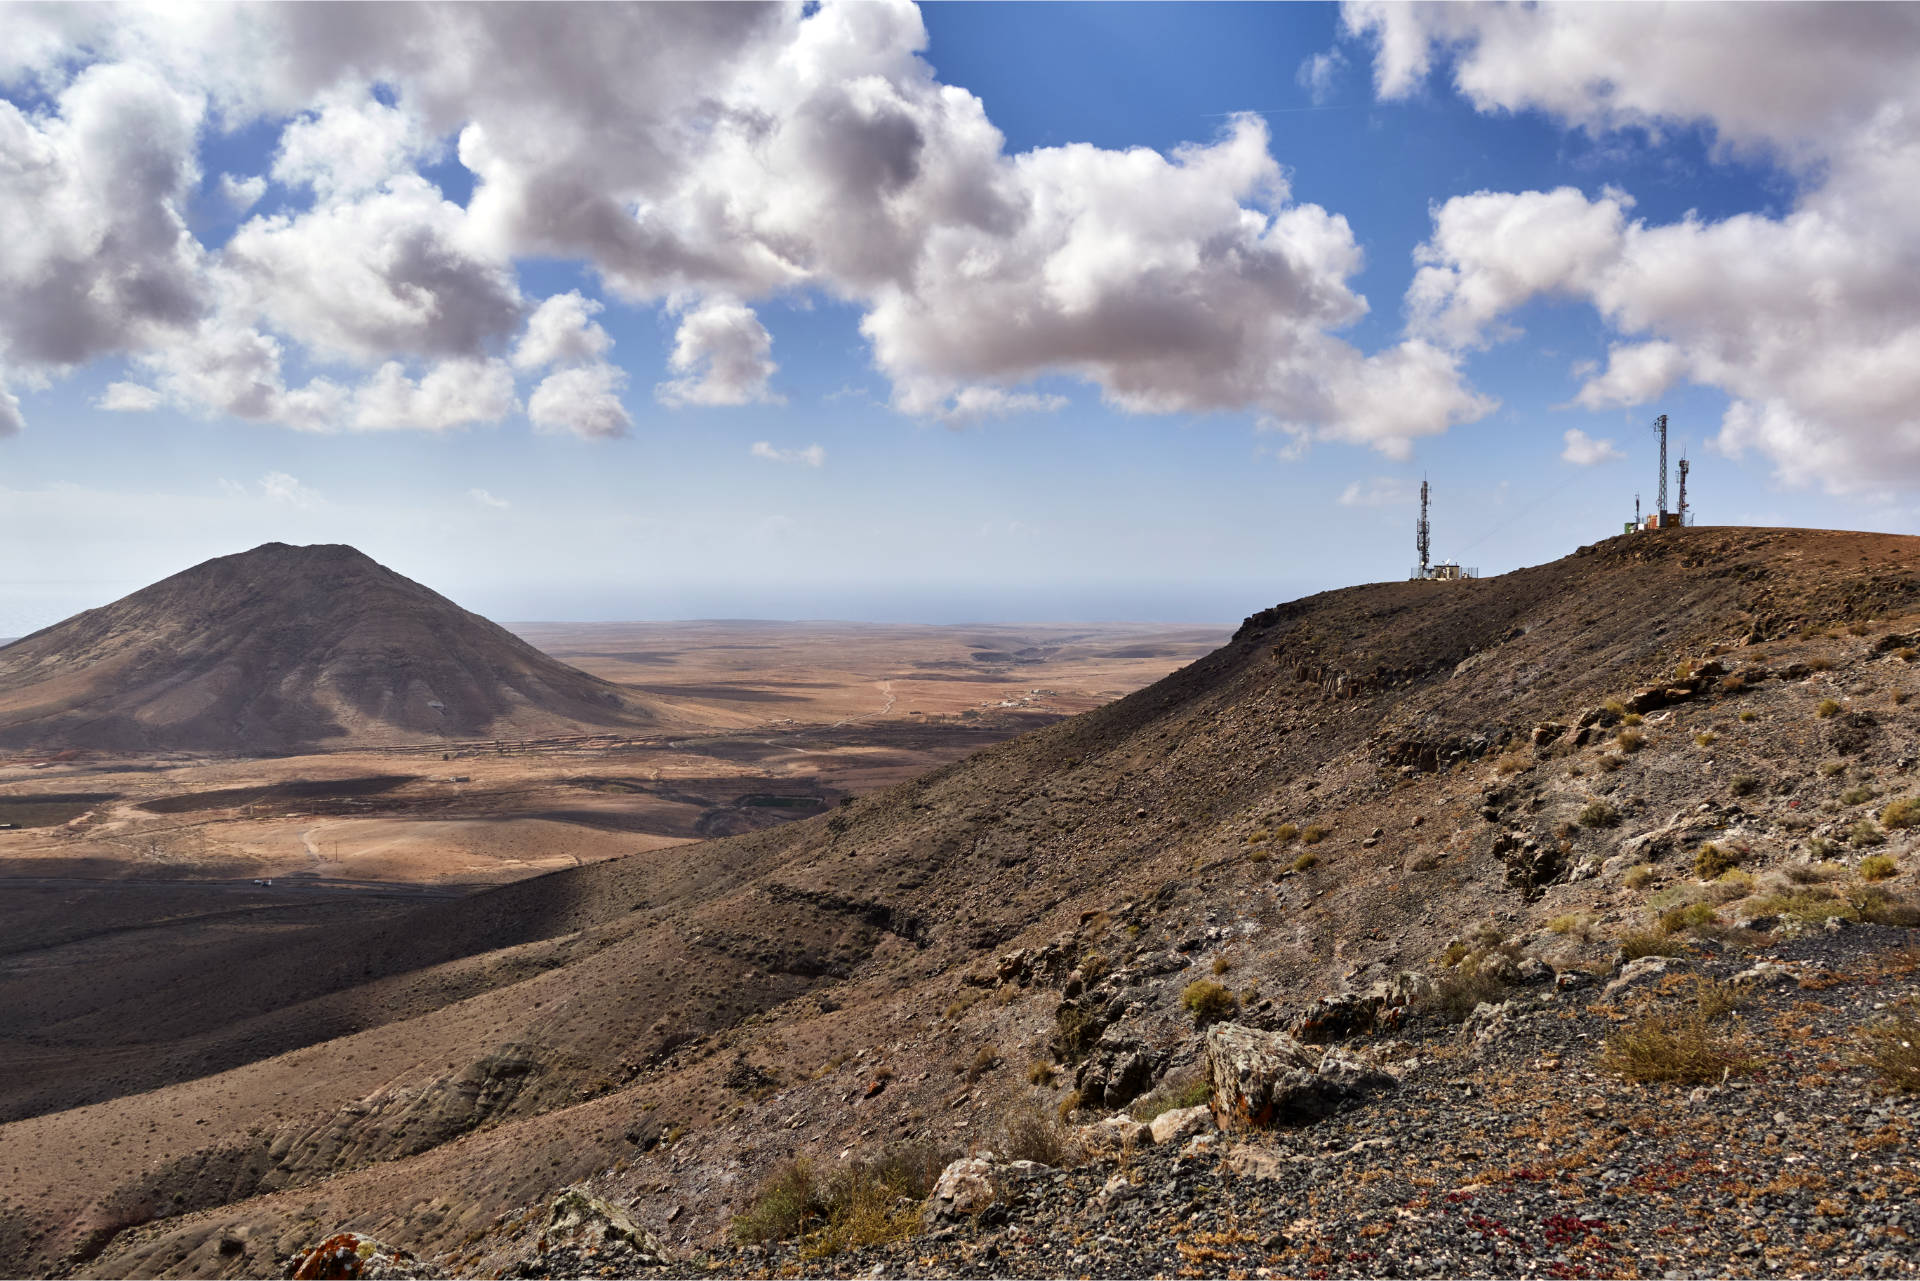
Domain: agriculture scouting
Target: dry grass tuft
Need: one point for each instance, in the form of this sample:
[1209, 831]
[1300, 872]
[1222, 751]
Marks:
[1599, 814]
[1904, 812]
[1878, 867]
[1687, 1045]
[1207, 1001]
[1638, 943]
[1028, 1132]
[1893, 1050]
[1711, 860]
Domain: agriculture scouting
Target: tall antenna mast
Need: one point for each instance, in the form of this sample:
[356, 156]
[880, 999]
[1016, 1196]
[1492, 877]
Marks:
[1660, 425]
[1683, 489]
[1636, 511]
[1422, 533]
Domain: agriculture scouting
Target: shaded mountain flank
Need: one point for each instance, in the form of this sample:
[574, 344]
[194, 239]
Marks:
[1472, 843]
[283, 648]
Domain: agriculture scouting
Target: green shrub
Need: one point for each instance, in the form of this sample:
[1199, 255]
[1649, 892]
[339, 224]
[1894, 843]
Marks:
[1749, 716]
[1571, 923]
[1812, 904]
[1599, 814]
[1706, 738]
[1259, 856]
[1638, 943]
[1878, 867]
[1169, 1095]
[1512, 763]
[1904, 812]
[1313, 835]
[1689, 916]
[1743, 784]
[1207, 1001]
[1826, 709]
[1041, 1072]
[1815, 873]
[1859, 795]
[873, 1201]
[1832, 769]
[1863, 832]
[1306, 861]
[1630, 740]
[1731, 886]
[1639, 876]
[1615, 707]
[1608, 762]
[786, 1201]
[1284, 833]
[1632, 719]
[1711, 860]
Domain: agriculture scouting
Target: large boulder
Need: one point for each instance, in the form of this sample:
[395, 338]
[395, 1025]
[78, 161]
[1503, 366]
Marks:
[1264, 1079]
[964, 1189]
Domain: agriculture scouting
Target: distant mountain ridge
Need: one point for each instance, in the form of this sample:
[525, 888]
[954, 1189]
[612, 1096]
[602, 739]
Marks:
[283, 648]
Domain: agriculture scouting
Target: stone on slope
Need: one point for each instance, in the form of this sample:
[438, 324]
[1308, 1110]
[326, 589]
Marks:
[1181, 1123]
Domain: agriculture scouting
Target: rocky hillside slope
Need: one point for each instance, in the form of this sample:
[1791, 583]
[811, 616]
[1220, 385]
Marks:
[288, 647]
[1410, 799]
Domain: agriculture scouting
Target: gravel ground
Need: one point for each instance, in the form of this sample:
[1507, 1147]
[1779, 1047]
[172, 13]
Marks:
[1513, 1156]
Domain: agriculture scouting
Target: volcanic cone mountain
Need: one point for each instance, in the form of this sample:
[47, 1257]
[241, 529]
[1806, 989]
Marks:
[288, 647]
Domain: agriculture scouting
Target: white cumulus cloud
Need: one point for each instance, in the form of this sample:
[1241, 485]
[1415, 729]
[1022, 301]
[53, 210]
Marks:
[722, 354]
[584, 400]
[486, 499]
[455, 393]
[1808, 321]
[1584, 450]
[811, 456]
[129, 398]
[562, 331]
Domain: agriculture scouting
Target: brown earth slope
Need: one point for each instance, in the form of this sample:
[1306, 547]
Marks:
[672, 1025]
[288, 647]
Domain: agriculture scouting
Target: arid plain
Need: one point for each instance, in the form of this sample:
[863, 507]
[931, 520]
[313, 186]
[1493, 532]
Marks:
[757, 723]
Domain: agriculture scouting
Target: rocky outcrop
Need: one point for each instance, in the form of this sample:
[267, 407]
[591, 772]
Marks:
[348, 1256]
[1265, 1079]
[583, 1228]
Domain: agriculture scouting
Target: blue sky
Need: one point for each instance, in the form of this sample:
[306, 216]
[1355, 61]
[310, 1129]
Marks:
[1065, 498]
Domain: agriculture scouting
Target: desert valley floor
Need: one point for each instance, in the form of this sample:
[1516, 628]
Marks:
[759, 723]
